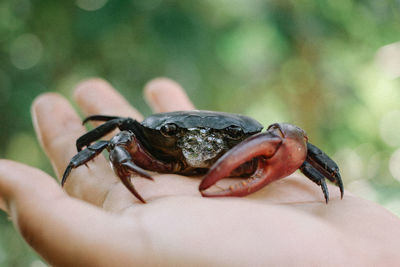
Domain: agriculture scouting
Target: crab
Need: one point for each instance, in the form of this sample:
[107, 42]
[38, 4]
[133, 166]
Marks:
[216, 144]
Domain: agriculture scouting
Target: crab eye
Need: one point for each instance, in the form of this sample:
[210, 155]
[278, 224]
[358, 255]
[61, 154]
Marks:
[235, 132]
[169, 129]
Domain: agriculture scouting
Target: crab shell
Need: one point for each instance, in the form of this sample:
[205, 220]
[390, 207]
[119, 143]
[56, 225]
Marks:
[200, 138]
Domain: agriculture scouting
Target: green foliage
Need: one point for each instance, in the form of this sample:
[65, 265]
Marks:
[313, 63]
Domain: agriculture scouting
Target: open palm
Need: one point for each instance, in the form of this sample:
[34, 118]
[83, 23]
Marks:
[96, 221]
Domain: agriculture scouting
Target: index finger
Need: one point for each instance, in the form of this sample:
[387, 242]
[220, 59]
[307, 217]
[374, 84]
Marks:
[164, 95]
[96, 96]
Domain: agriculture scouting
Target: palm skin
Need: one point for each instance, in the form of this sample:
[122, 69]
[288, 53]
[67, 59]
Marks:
[95, 221]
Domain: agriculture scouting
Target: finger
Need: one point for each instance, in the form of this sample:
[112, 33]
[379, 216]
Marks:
[63, 230]
[58, 126]
[164, 95]
[96, 96]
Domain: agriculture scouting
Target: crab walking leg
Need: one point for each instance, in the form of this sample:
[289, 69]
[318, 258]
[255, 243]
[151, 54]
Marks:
[323, 166]
[268, 148]
[314, 175]
[123, 166]
[111, 123]
[100, 118]
[98, 132]
[83, 157]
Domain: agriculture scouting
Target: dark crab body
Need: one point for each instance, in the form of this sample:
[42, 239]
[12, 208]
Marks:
[193, 142]
[195, 139]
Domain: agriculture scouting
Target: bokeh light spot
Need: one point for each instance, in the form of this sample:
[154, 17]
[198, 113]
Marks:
[26, 51]
[362, 188]
[271, 105]
[91, 5]
[247, 49]
[390, 128]
[388, 58]
[351, 165]
[394, 164]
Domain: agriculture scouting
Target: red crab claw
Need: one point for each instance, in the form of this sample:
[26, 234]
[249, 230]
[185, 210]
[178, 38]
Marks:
[280, 151]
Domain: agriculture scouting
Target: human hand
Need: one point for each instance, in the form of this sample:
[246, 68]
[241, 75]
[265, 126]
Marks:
[96, 221]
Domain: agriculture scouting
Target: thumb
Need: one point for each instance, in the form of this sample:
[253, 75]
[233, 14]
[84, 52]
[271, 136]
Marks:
[63, 230]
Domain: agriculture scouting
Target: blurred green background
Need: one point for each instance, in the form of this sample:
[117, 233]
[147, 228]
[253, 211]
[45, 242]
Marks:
[331, 67]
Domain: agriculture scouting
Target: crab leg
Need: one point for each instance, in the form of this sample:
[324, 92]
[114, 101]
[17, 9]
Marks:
[83, 157]
[123, 167]
[98, 132]
[317, 166]
[112, 122]
[314, 175]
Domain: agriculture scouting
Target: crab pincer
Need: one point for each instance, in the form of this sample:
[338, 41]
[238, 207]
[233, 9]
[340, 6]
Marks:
[279, 151]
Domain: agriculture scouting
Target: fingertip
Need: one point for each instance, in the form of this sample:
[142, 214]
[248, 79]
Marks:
[164, 95]
[89, 90]
[52, 117]
[42, 103]
[43, 98]
[57, 126]
[161, 83]
[37, 107]
[97, 96]
[89, 87]
[48, 103]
